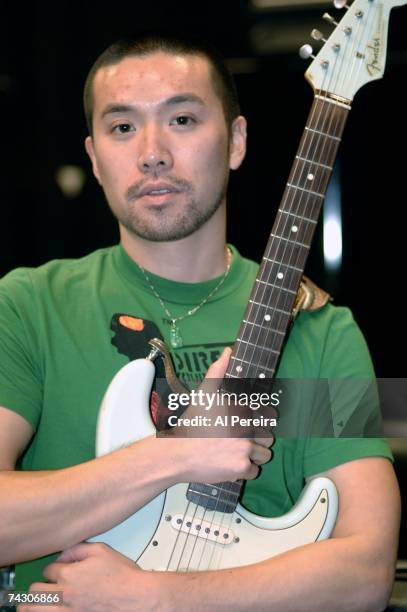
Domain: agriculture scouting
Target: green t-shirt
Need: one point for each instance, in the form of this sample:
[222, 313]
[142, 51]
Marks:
[62, 339]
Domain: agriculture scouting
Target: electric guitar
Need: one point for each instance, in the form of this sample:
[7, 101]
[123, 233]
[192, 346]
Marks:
[196, 526]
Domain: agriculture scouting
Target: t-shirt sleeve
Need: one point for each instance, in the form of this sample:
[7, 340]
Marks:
[20, 372]
[352, 401]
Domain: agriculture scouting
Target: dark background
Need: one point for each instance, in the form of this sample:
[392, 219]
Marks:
[46, 50]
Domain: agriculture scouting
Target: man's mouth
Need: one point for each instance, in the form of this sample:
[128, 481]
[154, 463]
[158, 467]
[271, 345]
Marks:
[158, 190]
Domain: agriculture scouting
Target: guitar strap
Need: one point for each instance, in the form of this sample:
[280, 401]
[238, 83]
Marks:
[310, 297]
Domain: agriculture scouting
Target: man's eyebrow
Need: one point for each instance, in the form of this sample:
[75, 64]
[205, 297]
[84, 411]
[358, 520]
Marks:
[116, 108]
[187, 97]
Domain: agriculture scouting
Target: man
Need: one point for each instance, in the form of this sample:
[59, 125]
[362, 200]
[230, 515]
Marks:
[165, 130]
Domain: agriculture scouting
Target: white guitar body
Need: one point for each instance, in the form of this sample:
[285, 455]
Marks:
[172, 533]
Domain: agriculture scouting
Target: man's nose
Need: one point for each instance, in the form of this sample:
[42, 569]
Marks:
[154, 152]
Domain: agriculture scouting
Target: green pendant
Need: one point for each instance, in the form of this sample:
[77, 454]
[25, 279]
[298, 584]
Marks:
[175, 336]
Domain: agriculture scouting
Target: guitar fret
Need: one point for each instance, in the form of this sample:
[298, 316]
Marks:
[276, 331]
[292, 241]
[222, 491]
[323, 134]
[311, 161]
[296, 216]
[251, 364]
[276, 286]
[263, 348]
[283, 264]
[287, 312]
[319, 195]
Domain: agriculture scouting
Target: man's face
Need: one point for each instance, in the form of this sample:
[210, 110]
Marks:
[161, 148]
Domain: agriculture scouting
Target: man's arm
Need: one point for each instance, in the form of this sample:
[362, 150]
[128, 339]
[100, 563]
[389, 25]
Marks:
[351, 571]
[46, 511]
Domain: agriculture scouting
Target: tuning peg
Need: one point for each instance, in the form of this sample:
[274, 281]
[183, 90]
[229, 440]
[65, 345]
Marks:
[329, 19]
[317, 35]
[306, 51]
[340, 4]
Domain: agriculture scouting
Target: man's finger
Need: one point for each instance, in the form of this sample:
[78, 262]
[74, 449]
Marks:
[219, 367]
[52, 572]
[264, 440]
[260, 454]
[79, 552]
[216, 372]
[252, 472]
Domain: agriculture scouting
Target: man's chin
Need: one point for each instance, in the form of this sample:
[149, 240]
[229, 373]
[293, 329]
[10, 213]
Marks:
[168, 233]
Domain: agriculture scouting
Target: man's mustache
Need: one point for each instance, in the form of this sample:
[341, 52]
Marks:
[134, 190]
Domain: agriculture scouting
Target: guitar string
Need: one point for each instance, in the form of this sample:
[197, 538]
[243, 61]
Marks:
[339, 109]
[321, 178]
[285, 246]
[297, 258]
[217, 520]
[363, 39]
[197, 536]
[213, 549]
[357, 40]
[326, 96]
[192, 519]
[194, 535]
[231, 516]
[221, 555]
[186, 534]
[300, 201]
[295, 168]
[260, 290]
[333, 117]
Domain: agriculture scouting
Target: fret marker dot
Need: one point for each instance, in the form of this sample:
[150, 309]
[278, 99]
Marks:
[280, 275]
[267, 317]
[214, 492]
[238, 368]
[262, 375]
[310, 177]
[294, 229]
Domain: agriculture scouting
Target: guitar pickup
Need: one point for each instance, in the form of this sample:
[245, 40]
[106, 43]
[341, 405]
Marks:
[203, 529]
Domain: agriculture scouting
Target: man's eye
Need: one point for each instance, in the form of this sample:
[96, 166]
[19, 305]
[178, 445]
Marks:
[122, 128]
[183, 120]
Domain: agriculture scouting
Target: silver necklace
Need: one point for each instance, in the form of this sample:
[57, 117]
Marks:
[175, 335]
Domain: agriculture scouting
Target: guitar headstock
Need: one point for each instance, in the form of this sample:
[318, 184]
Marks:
[355, 52]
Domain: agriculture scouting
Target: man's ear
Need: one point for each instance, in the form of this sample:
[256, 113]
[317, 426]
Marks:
[91, 152]
[237, 142]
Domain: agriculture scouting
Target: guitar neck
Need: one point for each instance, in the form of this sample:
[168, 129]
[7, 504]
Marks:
[257, 349]
[261, 335]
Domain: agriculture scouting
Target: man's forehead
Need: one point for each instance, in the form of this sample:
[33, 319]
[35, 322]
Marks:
[164, 71]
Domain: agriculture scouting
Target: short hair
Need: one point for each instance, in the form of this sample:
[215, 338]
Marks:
[148, 44]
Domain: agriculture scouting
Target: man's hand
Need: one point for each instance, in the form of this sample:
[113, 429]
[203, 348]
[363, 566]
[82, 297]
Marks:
[216, 458]
[96, 578]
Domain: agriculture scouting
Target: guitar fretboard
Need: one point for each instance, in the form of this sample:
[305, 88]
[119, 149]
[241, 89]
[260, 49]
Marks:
[257, 349]
[261, 335]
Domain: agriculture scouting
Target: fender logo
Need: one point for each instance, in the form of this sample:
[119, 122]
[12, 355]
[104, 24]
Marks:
[373, 65]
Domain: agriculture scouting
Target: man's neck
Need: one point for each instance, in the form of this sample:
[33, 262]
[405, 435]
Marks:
[197, 258]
